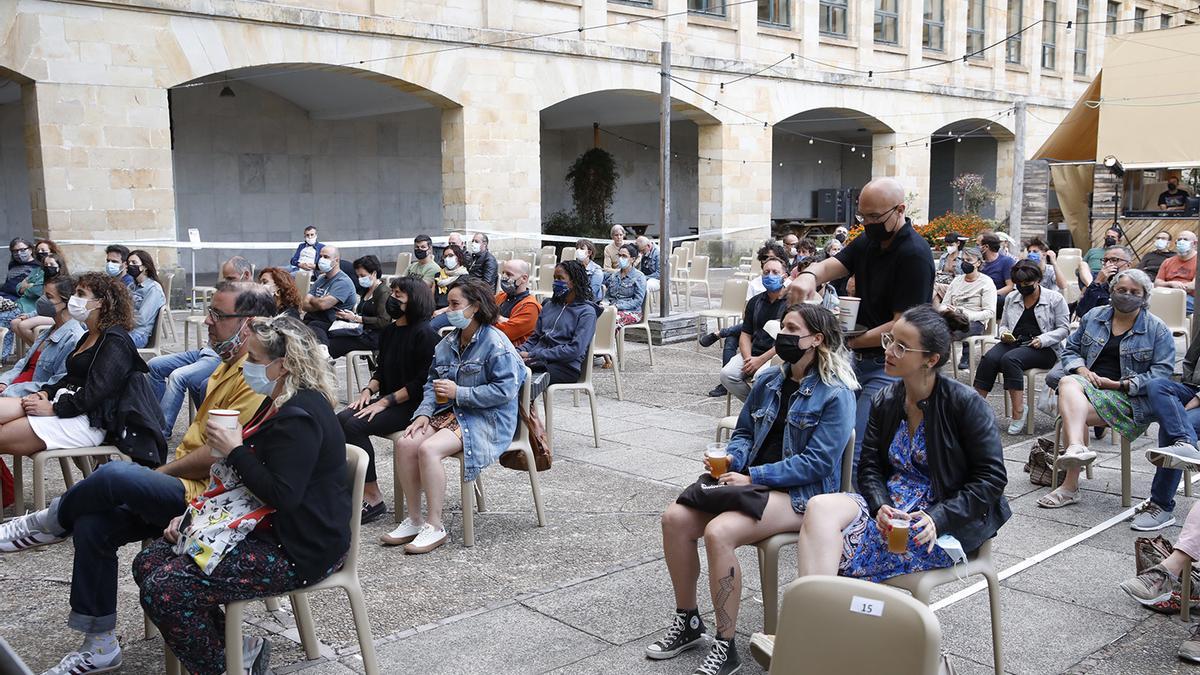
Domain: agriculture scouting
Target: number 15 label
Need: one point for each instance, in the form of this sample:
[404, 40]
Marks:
[867, 606]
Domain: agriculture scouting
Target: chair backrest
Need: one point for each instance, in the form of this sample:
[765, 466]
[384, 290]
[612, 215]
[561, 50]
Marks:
[568, 253]
[445, 330]
[733, 295]
[1067, 250]
[356, 467]
[545, 280]
[756, 267]
[848, 465]
[1170, 305]
[530, 257]
[605, 339]
[548, 249]
[548, 259]
[168, 281]
[303, 280]
[674, 258]
[522, 436]
[403, 260]
[699, 268]
[826, 621]
[164, 315]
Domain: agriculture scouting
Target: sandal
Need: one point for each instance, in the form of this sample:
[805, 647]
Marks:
[1058, 498]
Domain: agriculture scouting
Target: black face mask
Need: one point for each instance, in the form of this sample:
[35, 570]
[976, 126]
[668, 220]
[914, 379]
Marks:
[134, 271]
[787, 347]
[1026, 290]
[840, 236]
[1110, 241]
[421, 253]
[877, 231]
[41, 255]
[968, 268]
[394, 308]
[509, 287]
[50, 271]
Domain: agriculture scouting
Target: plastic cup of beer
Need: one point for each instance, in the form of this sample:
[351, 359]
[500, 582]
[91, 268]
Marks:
[718, 459]
[226, 419]
[898, 536]
[438, 397]
[848, 312]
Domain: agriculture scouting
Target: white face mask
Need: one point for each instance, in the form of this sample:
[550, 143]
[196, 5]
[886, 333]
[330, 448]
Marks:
[583, 256]
[310, 239]
[78, 309]
[954, 550]
[450, 262]
[476, 247]
[1161, 244]
[325, 264]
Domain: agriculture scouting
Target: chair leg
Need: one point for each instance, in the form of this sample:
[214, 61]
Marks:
[65, 465]
[650, 345]
[1126, 473]
[1030, 395]
[768, 565]
[305, 626]
[591, 394]
[468, 513]
[18, 472]
[617, 377]
[366, 644]
[233, 637]
[480, 500]
[548, 407]
[273, 604]
[1185, 592]
[39, 481]
[535, 485]
[993, 583]
[151, 630]
[171, 664]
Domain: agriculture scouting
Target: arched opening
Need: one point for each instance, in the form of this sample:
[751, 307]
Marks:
[16, 203]
[821, 158]
[261, 153]
[629, 130]
[966, 146]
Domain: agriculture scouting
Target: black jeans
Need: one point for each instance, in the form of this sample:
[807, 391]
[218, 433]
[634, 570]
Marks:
[359, 431]
[559, 373]
[320, 329]
[340, 345]
[119, 503]
[1012, 361]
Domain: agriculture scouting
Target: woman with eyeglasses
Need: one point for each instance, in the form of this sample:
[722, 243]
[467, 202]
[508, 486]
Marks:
[1116, 351]
[931, 461]
[51, 264]
[16, 285]
[1033, 325]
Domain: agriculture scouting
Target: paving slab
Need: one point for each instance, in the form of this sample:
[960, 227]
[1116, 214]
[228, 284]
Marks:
[1060, 578]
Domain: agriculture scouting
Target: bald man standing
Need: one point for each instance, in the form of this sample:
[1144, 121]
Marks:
[518, 309]
[892, 267]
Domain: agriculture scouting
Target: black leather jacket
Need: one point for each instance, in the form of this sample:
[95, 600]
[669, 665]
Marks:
[965, 459]
[483, 266]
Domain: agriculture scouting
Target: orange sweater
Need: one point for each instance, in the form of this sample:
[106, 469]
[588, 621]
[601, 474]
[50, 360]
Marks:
[522, 320]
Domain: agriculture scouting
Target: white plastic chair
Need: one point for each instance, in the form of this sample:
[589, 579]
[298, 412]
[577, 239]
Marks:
[153, 348]
[644, 324]
[840, 625]
[82, 458]
[974, 344]
[354, 383]
[754, 271]
[733, 306]
[303, 280]
[568, 253]
[1067, 250]
[345, 578]
[584, 384]
[697, 274]
[548, 249]
[768, 549]
[1170, 305]
[1069, 266]
[403, 260]
[545, 283]
[605, 342]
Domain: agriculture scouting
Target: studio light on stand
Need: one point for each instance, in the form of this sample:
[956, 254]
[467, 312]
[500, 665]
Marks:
[1117, 169]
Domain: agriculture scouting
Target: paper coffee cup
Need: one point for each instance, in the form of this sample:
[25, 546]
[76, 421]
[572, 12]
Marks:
[226, 419]
[849, 311]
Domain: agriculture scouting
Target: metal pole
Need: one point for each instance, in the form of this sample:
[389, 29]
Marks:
[1018, 181]
[664, 187]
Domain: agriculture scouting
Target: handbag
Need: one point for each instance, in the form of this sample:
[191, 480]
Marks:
[1047, 401]
[1040, 465]
[341, 328]
[219, 519]
[711, 497]
[1148, 552]
[542, 455]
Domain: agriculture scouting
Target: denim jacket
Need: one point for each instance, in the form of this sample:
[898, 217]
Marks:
[1147, 352]
[148, 299]
[648, 263]
[489, 374]
[1053, 317]
[626, 292]
[820, 421]
[56, 346]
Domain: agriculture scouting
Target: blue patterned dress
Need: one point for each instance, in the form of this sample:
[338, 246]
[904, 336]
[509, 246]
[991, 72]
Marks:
[865, 553]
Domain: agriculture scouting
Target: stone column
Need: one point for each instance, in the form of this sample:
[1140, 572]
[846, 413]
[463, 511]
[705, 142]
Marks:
[100, 166]
[498, 14]
[912, 22]
[734, 188]
[810, 29]
[746, 21]
[909, 165]
[592, 13]
[1005, 166]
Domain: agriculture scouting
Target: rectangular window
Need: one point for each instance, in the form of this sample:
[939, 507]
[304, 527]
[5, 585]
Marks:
[933, 30]
[1049, 34]
[709, 7]
[1164, 21]
[1110, 21]
[1139, 20]
[1081, 36]
[775, 12]
[832, 17]
[1012, 48]
[887, 21]
[975, 23]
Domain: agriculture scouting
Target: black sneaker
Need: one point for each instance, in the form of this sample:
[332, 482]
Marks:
[722, 659]
[373, 512]
[1098, 432]
[686, 632]
[718, 390]
[709, 339]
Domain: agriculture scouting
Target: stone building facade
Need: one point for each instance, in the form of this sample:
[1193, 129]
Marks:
[249, 119]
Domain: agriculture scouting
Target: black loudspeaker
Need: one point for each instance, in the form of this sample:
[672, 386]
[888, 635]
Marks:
[1057, 239]
[829, 206]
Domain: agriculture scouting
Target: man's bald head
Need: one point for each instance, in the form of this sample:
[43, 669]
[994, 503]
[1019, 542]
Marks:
[882, 202]
[516, 271]
[883, 190]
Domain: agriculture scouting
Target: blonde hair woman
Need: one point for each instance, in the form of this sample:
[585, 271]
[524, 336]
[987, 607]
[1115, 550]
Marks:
[283, 476]
[787, 448]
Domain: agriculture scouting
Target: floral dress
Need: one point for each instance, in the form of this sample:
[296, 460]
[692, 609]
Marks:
[865, 553]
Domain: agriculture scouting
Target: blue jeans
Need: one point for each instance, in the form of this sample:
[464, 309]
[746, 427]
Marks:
[171, 375]
[732, 335]
[119, 503]
[1167, 400]
[869, 370]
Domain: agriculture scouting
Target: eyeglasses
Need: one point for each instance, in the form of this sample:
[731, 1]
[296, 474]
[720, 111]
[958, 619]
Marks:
[217, 315]
[1107, 261]
[895, 348]
[18, 250]
[861, 218]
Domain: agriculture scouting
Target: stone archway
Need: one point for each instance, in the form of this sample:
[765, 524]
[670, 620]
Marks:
[971, 145]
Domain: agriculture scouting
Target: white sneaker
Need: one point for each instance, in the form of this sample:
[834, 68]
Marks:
[1180, 455]
[25, 532]
[1076, 456]
[404, 533]
[78, 663]
[426, 540]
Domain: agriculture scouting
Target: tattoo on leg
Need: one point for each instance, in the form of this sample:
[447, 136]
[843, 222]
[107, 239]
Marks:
[724, 622]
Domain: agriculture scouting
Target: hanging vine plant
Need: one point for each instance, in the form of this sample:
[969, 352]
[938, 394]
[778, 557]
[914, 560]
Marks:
[593, 181]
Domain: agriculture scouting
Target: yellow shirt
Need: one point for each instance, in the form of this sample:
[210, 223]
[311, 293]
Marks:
[227, 390]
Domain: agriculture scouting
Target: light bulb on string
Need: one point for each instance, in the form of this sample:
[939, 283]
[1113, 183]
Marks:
[810, 141]
[818, 161]
[852, 148]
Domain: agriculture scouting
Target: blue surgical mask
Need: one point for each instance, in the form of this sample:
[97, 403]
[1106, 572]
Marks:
[623, 263]
[112, 268]
[365, 282]
[325, 264]
[1033, 257]
[1184, 246]
[561, 289]
[772, 282]
[954, 550]
[256, 378]
[458, 319]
